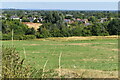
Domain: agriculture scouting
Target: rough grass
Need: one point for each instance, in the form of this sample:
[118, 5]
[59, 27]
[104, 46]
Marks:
[98, 54]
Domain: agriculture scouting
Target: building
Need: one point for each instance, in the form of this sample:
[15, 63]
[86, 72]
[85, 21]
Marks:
[69, 15]
[103, 20]
[1, 16]
[14, 17]
[31, 19]
[82, 20]
[40, 19]
[67, 20]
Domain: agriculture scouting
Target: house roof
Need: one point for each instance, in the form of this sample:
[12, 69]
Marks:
[103, 18]
[69, 15]
[87, 24]
[14, 17]
[2, 16]
[66, 20]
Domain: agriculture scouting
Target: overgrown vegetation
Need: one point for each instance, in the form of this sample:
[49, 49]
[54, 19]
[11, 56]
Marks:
[14, 66]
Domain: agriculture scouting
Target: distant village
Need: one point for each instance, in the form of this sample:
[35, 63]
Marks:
[43, 23]
[41, 19]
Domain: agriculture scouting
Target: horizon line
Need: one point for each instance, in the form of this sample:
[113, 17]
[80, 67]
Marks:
[58, 9]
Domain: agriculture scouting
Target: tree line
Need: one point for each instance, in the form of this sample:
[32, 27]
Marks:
[54, 26]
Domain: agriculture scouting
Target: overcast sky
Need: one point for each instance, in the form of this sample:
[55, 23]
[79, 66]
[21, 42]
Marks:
[61, 4]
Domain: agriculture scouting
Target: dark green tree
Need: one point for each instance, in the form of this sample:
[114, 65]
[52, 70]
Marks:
[99, 30]
[114, 27]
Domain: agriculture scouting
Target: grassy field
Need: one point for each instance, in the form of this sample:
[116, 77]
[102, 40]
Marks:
[95, 55]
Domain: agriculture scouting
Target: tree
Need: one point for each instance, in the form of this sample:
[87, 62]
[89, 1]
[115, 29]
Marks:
[18, 27]
[25, 19]
[77, 31]
[114, 27]
[54, 17]
[99, 30]
[55, 32]
[86, 31]
[68, 17]
[30, 31]
[43, 31]
[35, 21]
[92, 19]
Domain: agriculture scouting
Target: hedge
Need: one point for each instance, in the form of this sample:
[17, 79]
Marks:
[18, 37]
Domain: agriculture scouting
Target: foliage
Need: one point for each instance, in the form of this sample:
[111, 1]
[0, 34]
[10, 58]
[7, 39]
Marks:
[35, 21]
[99, 30]
[53, 24]
[92, 19]
[12, 65]
[30, 31]
[114, 27]
[25, 19]
[8, 25]
[17, 37]
[54, 17]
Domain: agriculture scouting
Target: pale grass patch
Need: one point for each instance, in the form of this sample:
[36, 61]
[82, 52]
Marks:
[32, 25]
[87, 73]
[81, 38]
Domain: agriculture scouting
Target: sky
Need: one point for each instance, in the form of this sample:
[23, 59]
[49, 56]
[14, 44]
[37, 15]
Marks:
[88, 5]
[59, 0]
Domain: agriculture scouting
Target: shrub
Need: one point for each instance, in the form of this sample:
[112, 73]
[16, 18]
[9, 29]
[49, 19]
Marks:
[6, 37]
[18, 37]
[12, 65]
[27, 37]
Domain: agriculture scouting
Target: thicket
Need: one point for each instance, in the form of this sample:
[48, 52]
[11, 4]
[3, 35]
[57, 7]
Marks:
[12, 65]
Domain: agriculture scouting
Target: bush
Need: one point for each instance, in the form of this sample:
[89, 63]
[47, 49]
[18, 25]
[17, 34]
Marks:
[6, 37]
[27, 37]
[38, 35]
[12, 65]
[18, 37]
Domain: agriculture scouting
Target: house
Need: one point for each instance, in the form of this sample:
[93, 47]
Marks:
[31, 19]
[87, 24]
[14, 17]
[20, 20]
[25, 13]
[1, 16]
[73, 19]
[78, 19]
[103, 20]
[40, 19]
[82, 20]
[69, 15]
[67, 20]
[85, 20]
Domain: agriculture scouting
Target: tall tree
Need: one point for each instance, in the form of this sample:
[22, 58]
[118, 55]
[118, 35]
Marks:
[114, 27]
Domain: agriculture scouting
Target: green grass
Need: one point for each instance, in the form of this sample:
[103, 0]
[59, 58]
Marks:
[97, 55]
